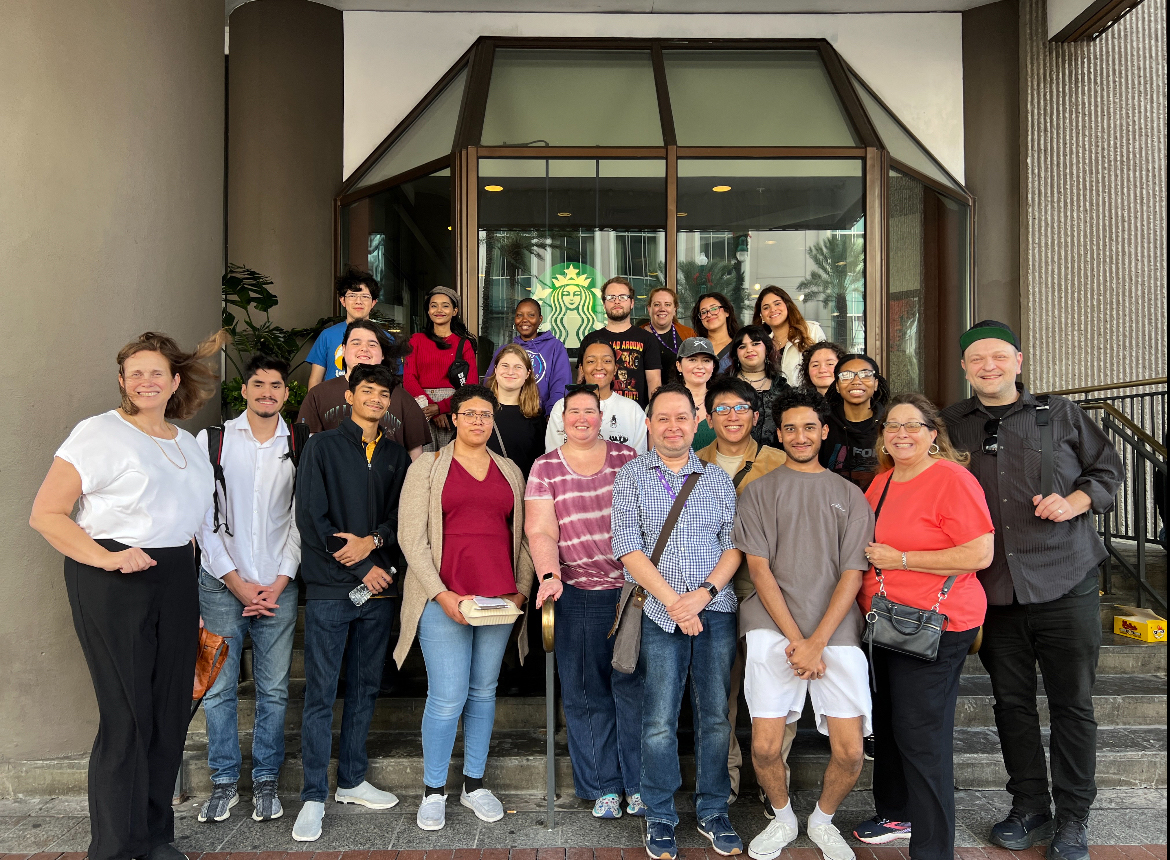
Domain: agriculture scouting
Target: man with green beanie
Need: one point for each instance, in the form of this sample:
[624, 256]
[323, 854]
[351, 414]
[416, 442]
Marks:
[1046, 468]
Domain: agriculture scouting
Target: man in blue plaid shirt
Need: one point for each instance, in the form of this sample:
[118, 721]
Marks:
[688, 621]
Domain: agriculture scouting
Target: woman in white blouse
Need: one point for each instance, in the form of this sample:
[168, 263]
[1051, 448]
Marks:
[144, 486]
[791, 332]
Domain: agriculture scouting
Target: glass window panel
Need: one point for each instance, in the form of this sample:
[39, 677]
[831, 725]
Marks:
[556, 230]
[906, 359]
[430, 136]
[572, 98]
[794, 223]
[899, 142]
[403, 236]
[754, 98]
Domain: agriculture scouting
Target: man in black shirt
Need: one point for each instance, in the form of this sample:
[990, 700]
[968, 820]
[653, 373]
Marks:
[1042, 587]
[639, 360]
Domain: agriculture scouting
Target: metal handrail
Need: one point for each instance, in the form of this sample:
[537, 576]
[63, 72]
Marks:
[1128, 424]
[548, 636]
[1141, 383]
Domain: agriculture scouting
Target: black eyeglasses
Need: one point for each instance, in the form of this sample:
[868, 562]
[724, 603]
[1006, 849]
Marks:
[578, 387]
[991, 443]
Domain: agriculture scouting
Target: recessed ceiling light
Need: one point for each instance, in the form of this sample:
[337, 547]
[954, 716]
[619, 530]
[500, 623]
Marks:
[755, 286]
[800, 298]
[721, 188]
[493, 188]
[448, 228]
[564, 214]
[769, 241]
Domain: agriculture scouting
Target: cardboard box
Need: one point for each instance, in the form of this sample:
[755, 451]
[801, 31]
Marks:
[1140, 624]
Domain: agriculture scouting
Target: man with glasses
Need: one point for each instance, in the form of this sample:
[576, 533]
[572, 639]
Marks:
[358, 292]
[636, 350]
[1046, 468]
[733, 410]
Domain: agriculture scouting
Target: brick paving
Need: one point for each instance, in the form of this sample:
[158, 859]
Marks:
[1096, 852]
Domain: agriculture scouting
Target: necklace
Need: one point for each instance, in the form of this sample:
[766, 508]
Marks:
[754, 383]
[162, 450]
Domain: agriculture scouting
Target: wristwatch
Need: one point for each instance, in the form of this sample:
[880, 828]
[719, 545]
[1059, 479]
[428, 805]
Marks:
[711, 589]
[544, 577]
[378, 542]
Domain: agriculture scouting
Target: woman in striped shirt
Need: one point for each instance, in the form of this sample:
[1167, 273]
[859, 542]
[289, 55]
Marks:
[567, 520]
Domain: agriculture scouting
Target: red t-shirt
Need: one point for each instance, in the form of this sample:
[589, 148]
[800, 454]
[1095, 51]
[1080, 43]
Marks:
[477, 533]
[941, 508]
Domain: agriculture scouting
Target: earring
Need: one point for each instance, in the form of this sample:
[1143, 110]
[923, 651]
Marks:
[933, 449]
[882, 448]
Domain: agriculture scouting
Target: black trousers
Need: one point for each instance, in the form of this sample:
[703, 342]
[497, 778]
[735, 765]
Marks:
[1064, 637]
[913, 727]
[140, 635]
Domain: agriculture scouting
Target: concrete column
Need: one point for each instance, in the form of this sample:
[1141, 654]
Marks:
[284, 149]
[111, 224]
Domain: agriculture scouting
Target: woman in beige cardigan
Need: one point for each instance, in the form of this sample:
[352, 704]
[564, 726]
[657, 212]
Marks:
[462, 532]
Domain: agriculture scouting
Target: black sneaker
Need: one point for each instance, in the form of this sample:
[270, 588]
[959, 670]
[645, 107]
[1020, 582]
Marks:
[769, 812]
[218, 806]
[867, 748]
[265, 801]
[1071, 841]
[1021, 830]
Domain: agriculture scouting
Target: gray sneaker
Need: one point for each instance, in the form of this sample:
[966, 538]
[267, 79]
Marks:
[218, 806]
[432, 812]
[265, 801]
[483, 803]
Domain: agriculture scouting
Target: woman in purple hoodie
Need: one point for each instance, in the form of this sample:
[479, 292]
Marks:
[550, 361]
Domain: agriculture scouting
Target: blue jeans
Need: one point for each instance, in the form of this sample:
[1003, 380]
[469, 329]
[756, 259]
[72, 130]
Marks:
[603, 707]
[707, 658]
[272, 643]
[463, 665]
[328, 626]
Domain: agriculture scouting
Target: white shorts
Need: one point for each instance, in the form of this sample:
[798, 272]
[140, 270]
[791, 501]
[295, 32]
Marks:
[773, 691]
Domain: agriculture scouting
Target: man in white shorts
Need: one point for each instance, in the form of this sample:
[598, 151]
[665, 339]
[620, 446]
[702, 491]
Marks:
[804, 530]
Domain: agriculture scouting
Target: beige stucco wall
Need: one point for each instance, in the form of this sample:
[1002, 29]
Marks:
[111, 223]
[1093, 183]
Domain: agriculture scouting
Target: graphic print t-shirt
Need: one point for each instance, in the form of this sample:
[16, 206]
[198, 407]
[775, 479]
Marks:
[637, 351]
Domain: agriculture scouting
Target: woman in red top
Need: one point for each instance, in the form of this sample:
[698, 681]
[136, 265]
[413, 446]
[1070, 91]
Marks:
[932, 523]
[426, 372]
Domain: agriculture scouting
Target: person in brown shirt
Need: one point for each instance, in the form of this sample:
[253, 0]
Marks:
[324, 406]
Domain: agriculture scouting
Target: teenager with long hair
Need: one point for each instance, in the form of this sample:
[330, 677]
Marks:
[714, 318]
[427, 374]
[756, 361]
[858, 393]
[791, 332]
[520, 423]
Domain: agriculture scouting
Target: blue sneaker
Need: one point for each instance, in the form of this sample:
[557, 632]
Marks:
[723, 837]
[879, 831]
[635, 806]
[607, 806]
[660, 843]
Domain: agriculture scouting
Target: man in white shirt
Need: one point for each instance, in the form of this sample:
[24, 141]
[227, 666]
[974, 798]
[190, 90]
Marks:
[250, 553]
[622, 419]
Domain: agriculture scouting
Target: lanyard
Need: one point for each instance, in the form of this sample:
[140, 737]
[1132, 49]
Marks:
[673, 495]
[674, 337]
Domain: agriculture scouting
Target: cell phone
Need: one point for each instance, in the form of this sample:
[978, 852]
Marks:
[335, 543]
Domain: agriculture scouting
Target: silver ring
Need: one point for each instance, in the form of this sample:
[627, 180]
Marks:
[1059, 511]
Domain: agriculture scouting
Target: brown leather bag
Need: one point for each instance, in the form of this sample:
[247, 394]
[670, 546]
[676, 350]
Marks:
[213, 651]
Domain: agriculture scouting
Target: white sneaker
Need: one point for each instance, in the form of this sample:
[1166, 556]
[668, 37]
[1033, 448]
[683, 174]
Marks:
[366, 795]
[832, 844]
[772, 841]
[483, 803]
[308, 824]
[432, 812]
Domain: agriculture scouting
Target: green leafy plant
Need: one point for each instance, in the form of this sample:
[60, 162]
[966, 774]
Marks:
[839, 259]
[249, 291]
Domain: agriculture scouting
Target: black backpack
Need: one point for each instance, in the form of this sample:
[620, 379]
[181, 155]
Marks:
[297, 437]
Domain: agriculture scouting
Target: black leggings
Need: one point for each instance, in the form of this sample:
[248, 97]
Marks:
[140, 635]
[914, 727]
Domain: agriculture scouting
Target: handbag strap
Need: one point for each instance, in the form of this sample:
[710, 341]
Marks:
[500, 439]
[942, 594]
[673, 515]
[1046, 454]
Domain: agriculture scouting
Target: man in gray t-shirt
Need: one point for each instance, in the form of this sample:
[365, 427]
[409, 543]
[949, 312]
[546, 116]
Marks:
[804, 531]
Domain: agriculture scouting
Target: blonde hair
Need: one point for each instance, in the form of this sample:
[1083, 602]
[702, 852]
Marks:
[930, 417]
[197, 380]
[529, 394]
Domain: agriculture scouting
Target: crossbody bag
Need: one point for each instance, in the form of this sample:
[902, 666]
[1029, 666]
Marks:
[627, 624]
[898, 627]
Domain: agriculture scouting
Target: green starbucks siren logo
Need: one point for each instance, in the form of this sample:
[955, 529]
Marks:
[570, 301]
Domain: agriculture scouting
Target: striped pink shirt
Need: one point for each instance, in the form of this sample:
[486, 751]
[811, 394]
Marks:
[582, 504]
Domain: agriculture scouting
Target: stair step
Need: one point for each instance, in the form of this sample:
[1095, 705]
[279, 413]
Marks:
[1118, 700]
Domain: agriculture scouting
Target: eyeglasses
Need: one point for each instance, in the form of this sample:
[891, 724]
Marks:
[476, 417]
[860, 374]
[895, 426]
[578, 387]
[738, 409]
[710, 312]
[612, 299]
[991, 443]
[352, 295]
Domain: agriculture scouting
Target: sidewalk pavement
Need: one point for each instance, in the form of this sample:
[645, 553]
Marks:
[1126, 824]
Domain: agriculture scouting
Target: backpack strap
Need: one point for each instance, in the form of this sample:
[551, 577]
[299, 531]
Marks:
[1043, 421]
[215, 455]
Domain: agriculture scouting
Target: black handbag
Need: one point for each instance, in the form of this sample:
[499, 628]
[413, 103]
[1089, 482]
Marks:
[459, 369]
[627, 625]
[898, 627]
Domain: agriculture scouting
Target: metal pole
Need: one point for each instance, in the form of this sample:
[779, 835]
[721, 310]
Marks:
[548, 636]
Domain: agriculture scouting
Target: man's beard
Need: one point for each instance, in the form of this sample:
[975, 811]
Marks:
[617, 315]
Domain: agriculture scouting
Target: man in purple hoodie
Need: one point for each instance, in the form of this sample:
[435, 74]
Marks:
[550, 361]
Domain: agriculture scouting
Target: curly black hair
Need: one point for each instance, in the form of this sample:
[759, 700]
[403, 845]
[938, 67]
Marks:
[881, 394]
[795, 398]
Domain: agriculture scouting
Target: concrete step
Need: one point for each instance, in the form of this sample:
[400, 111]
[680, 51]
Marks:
[1132, 757]
[1118, 700]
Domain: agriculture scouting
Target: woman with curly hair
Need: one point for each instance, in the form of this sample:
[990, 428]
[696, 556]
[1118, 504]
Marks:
[791, 332]
[858, 393]
[819, 364]
[755, 360]
[144, 486]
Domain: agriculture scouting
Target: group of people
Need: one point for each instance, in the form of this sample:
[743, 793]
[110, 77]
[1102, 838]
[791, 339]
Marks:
[741, 496]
